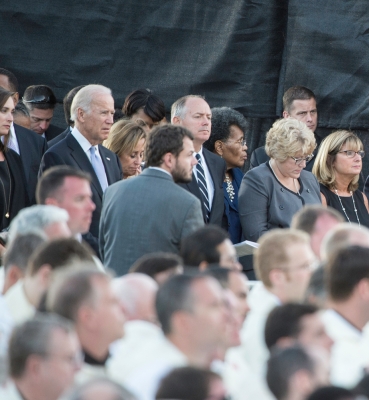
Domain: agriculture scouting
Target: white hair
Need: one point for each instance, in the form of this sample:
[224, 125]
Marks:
[35, 219]
[133, 290]
[85, 97]
[179, 106]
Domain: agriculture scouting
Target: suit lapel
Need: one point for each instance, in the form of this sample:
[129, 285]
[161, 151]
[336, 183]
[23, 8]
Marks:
[83, 162]
[107, 161]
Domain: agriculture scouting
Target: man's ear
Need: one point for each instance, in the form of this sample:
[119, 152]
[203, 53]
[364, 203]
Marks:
[203, 266]
[12, 276]
[176, 121]
[168, 160]
[285, 114]
[49, 201]
[15, 98]
[44, 274]
[276, 276]
[81, 114]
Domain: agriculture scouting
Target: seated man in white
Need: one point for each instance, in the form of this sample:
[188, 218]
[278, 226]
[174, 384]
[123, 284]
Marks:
[283, 264]
[192, 315]
[348, 289]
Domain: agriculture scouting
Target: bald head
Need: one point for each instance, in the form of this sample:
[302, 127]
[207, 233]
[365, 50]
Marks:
[136, 293]
[344, 235]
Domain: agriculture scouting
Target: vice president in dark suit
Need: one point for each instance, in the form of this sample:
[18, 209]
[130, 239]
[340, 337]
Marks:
[272, 193]
[227, 140]
[150, 213]
[92, 111]
[193, 112]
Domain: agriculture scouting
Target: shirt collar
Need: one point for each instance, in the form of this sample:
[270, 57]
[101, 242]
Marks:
[83, 142]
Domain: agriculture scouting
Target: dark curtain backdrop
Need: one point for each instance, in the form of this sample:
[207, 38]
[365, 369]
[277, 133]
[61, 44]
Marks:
[238, 53]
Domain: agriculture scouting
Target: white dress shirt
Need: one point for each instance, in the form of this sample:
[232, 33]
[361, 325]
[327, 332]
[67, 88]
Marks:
[18, 305]
[12, 139]
[84, 143]
[350, 351]
[209, 180]
[148, 357]
[254, 349]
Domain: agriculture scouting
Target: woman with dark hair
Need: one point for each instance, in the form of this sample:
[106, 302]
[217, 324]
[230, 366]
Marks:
[143, 104]
[227, 139]
[13, 194]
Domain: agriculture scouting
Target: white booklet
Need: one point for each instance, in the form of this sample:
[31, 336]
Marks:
[246, 248]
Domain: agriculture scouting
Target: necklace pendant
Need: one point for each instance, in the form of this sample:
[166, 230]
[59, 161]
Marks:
[7, 215]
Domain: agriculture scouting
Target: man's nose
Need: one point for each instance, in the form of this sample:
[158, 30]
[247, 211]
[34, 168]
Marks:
[43, 125]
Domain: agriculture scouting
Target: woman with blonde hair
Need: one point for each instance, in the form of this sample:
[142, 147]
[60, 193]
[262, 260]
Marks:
[127, 140]
[337, 167]
[272, 193]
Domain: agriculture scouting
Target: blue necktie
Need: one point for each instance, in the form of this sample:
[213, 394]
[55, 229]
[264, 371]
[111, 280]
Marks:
[98, 166]
[201, 181]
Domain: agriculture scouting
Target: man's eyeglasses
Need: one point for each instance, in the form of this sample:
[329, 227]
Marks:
[40, 99]
[352, 153]
[299, 161]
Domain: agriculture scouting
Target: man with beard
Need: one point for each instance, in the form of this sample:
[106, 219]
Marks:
[150, 213]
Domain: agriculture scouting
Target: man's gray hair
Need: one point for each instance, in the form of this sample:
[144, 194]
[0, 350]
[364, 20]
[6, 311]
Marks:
[33, 337]
[343, 235]
[81, 392]
[85, 97]
[179, 106]
[35, 219]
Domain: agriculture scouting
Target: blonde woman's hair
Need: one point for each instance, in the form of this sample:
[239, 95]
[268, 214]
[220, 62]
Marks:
[323, 166]
[287, 137]
[124, 136]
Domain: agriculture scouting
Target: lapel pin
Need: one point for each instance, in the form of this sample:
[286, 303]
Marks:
[108, 158]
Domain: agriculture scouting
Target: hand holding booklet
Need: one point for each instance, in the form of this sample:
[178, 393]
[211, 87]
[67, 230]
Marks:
[246, 248]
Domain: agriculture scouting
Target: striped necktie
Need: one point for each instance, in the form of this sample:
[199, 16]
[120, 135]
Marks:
[201, 181]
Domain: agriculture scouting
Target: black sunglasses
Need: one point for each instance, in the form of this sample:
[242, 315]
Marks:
[40, 99]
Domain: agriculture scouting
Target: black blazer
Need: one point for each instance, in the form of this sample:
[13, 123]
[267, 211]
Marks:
[20, 197]
[217, 168]
[31, 148]
[52, 132]
[69, 152]
[59, 138]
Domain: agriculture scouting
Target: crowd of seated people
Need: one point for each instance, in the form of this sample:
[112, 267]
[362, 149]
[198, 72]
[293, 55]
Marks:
[120, 238]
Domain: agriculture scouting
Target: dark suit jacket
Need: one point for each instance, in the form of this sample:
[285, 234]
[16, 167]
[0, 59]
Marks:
[259, 156]
[19, 197]
[59, 138]
[231, 208]
[217, 168]
[31, 147]
[52, 132]
[69, 152]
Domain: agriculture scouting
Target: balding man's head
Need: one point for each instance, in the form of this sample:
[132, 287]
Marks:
[342, 236]
[136, 293]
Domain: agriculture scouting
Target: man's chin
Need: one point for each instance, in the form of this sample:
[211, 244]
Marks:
[182, 179]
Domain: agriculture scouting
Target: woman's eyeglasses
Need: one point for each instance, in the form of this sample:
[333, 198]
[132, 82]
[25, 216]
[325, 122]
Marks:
[299, 161]
[352, 153]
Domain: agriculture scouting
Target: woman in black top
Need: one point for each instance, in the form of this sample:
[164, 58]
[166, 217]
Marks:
[13, 194]
[337, 168]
